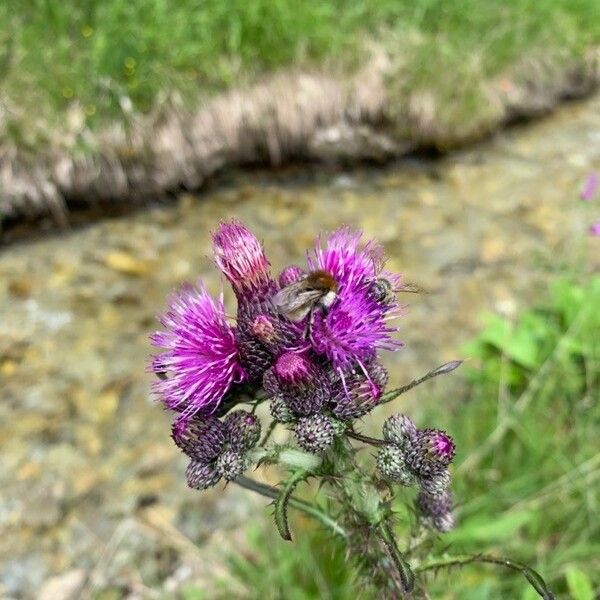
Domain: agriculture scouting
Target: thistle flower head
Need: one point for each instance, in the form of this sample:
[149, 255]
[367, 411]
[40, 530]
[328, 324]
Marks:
[431, 452]
[201, 476]
[293, 368]
[240, 256]
[436, 510]
[392, 466]
[400, 430]
[299, 382]
[202, 439]
[353, 329]
[315, 433]
[242, 430]
[357, 393]
[346, 258]
[201, 359]
[289, 275]
[355, 326]
[231, 464]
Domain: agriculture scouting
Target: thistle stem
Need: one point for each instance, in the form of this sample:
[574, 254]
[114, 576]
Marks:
[365, 438]
[306, 507]
[441, 370]
[535, 579]
[407, 577]
[268, 432]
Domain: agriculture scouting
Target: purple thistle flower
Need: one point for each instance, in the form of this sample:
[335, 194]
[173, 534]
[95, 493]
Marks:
[590, 186]
[355, 327]
[294, 368]
[595, 229]
[241, 257]
[349, 261]
[201, 359]
[289, 275]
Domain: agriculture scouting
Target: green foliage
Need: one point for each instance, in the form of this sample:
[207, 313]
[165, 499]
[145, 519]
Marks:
[528, 464]
[527, 479]
[106, 53]
[579, 584]
[272, 569]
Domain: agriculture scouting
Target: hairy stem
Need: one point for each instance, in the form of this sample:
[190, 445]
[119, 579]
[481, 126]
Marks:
[306, 507]
[535, 579]
[365, 438]
[268, 433]
[407, 577]
[441, 370]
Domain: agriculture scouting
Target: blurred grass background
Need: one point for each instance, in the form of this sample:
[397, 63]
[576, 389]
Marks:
[117, 58]
[527, 473]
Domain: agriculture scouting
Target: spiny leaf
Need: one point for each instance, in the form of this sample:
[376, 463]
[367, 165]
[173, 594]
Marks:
[281, 503]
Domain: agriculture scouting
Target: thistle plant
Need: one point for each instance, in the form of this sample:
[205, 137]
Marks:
[307, 343]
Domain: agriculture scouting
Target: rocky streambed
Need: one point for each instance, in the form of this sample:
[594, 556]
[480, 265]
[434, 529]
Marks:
[93, 500]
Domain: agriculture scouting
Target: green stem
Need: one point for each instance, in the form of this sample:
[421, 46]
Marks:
[301, 505]
[535, 579]
[365, 438]
[441, 370]
[407, 577]
[268, 433]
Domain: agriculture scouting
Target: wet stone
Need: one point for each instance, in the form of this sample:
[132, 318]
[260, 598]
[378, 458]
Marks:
[93, 490]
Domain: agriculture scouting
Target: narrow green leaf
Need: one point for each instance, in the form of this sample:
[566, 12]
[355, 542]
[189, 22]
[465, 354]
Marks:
[580, 586]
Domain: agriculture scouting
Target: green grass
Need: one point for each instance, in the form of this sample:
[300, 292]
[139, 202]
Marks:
[527, 475]
[109, 54]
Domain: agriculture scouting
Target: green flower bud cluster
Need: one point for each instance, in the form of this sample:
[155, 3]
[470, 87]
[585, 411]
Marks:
[420, 457]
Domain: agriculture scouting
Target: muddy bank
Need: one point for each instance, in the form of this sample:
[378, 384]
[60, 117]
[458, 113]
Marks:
[287, 117]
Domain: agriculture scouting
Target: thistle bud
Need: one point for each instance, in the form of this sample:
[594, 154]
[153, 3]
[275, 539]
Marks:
[392, 466]
[400, 430]
[436, 510]
[242, 430]
[297, 379]
[201, 476]
[203, 438]
[231, 464]
[444, 523]
[314, 434]
[264, 329]
[434, 505]
[360, 393]
[241, 258]
[430, 453]
[280, 410]
[436, 484]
